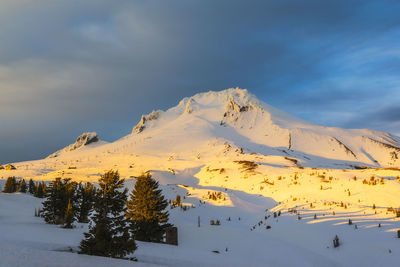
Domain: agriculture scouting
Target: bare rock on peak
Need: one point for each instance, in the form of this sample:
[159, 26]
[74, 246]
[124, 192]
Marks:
[154, 115]
[83, 140]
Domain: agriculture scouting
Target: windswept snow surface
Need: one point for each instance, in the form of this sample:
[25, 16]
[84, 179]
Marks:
[258, 161]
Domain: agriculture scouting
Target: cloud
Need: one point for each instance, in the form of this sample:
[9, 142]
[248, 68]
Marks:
[72, 66]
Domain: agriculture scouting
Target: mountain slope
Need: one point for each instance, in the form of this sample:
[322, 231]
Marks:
[239, 117]
[236, 159]
[224, 125]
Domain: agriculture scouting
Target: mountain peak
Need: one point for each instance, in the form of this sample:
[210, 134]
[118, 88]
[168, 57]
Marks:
[241, 97]
[82, 141]
[237, 115]
[228, 100]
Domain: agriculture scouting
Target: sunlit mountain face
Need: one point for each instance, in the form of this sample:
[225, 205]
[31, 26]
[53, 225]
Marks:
[267, 177]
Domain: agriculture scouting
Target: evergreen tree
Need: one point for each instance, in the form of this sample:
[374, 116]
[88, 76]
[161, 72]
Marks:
[40, 190]
[36, 190]
[52, 207]
[109, 235]
[69, 216]
[59, 194]
[44, 189]
[31, 187]
[86, 196]
[70, 194]
[22, 186]
[146, 210]
[10, 186]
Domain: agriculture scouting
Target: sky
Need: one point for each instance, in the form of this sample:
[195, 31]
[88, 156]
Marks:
[71, 66]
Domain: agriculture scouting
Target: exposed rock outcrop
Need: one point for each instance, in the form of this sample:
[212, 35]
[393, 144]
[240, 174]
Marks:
[82, 140]
[154, 115]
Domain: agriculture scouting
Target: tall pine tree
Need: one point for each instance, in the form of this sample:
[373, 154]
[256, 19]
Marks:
[10, 186]
[86, 196]
[22, 186]
[40, 190]
[146, 210]
[69, 216]
[59, 194]
[52, 207]
[109, 235]
[31, 187]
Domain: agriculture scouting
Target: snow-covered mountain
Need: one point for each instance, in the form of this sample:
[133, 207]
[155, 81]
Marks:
[234, 122]
[242, 119]
[273, 181]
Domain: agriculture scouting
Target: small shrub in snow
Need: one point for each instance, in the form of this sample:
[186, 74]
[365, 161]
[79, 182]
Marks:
[38, 212]
[177, 201]
[215, 196]
[336, 242]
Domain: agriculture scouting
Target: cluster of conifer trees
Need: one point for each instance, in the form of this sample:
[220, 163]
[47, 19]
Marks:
[67, 202]
[12, 185]
[38, 189]
[115, 221]
[118, 222]
[19, 185]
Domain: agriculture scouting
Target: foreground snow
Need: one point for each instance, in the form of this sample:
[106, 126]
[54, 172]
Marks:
[26, 240]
